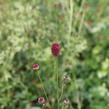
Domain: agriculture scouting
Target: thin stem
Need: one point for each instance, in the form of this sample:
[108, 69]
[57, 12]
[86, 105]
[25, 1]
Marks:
[81, 23]
[62, 91]
[57, 91]
[71, 106]
[80, 10]
[71, 17]
[62, 106]
[57, 80]
[43, 87]
[79, 102]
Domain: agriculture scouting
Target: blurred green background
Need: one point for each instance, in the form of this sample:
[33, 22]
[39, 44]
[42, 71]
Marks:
[27, 30]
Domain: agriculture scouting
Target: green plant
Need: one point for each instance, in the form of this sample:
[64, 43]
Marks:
[28, 28]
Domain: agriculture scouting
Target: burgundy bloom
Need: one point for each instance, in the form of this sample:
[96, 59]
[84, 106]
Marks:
[41, 100]
[55, 49]
[35, 66]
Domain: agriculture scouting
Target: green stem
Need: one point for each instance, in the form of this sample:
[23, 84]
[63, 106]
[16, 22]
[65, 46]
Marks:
[79, 102]
[71, 17]
[43, 87]
[62, 106]
[57, 84]
[80, 10]
[57, 80]
[62, 91]
[57, 91]
[81, 23]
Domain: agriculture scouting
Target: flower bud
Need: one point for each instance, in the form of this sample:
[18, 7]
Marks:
[66, 101]
[41, 100]
[35, 66]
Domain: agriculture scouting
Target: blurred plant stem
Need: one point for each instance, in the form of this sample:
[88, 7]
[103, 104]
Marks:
[57, 79]
[62, 91]
[70, 17]
[43, 88]
[76, 89]
[82, 19]
[70, 34]
[71, 9]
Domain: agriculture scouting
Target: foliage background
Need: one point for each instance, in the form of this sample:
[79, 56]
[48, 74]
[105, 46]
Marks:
[27, 30]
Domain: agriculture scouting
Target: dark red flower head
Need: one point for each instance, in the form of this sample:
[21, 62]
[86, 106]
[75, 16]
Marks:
[55, 49]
